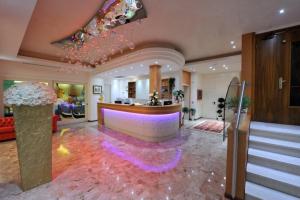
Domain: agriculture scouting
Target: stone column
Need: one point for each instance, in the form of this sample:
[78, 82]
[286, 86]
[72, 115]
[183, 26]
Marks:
[155, 78]
[34, 142]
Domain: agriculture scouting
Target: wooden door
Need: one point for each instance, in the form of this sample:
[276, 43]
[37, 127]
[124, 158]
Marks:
[273, 79]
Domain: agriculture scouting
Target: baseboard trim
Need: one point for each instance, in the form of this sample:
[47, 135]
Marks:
[198, 118]
[229, 196]
[92, 120]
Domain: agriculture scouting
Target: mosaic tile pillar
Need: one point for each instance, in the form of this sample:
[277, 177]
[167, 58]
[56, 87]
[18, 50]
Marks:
[34, 143]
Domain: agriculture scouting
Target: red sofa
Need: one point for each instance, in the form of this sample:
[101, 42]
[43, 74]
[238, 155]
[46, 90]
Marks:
[7, 129]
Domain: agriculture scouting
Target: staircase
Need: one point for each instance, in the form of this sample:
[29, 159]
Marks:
[273, 168]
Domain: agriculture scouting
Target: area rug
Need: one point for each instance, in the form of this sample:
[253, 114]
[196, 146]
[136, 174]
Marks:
[211, 126]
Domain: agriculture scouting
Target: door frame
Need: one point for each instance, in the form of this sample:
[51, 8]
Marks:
[249, 65]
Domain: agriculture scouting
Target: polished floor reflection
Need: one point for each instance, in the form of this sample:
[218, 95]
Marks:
[96, 164]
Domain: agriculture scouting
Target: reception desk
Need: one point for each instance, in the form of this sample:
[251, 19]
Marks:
[150, 123]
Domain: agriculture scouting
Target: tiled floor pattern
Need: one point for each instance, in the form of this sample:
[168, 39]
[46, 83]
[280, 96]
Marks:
[91, 164]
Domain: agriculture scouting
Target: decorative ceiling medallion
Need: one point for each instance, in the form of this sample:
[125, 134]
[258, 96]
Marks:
[98, 40]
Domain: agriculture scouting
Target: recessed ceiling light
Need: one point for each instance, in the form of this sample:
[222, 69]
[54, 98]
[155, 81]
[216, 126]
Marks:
[234, 47]
[214, 69]
[168, 66]
[224, 65]
[210, 67]
[281, 11]
[156, 62]
[232, 42]
[226, 68]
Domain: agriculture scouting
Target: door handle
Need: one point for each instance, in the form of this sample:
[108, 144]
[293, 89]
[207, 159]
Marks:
[280, 83]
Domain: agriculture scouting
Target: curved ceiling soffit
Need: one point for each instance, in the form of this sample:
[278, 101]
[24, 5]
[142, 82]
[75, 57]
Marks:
[140, 56]
[112, 14]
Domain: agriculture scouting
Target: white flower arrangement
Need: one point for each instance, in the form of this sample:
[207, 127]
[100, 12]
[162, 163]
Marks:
[30, 94]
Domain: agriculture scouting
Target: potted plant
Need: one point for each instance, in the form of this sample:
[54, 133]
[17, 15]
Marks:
[185, 111]
[193, 112]
[233, 104]
[220, 111]
[179, 95]
[33, 108]
[154, 99]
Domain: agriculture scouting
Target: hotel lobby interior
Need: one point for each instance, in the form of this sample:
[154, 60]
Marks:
[149, 100]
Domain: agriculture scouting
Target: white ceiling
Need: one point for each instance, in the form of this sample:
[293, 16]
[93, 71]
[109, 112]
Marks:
[197, 28]
[14, 19]
[220, 65]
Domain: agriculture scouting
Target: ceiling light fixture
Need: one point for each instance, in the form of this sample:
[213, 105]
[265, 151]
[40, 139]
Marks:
[210, 67]
[232, 42]
[281, 11]
[214, 69]
[234, 47]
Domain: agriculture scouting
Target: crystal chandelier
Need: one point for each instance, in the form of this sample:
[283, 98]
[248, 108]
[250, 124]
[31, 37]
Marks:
[99, 40]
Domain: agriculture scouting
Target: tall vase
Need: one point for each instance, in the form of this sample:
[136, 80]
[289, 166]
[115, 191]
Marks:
[34, 142]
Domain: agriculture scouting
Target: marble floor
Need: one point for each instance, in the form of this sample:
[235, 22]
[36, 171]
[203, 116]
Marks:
[92, 164]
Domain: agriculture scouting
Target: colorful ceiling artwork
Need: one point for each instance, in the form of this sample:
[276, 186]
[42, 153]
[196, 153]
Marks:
[86, 45]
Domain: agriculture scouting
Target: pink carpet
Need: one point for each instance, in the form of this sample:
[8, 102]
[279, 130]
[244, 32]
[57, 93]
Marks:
[211, 126]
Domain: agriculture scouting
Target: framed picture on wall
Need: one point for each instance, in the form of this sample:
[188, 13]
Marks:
[97, 89]
[199, 94]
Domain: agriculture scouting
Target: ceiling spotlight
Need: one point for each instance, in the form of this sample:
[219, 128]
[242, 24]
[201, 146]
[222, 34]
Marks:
[234, 47]
[156, 62]
[224, 65]
[210, 67]
[214, 69]
[226, 68]
[281, 11]
[232, 42]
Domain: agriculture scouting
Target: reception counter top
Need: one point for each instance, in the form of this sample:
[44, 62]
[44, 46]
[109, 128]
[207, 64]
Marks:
[150, 123]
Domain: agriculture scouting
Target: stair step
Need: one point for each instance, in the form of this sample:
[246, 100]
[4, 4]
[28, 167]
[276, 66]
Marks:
[274, 145]
[257, 192]
[274, 179]
[274, 160]
[275, 131]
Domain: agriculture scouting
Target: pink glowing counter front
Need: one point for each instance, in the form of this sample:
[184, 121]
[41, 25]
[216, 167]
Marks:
[150, 123]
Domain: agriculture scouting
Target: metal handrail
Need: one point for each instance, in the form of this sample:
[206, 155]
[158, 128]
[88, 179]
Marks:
[235, 141]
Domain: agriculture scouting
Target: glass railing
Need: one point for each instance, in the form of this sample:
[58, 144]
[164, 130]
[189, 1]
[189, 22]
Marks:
[231, 104]
[234, 113]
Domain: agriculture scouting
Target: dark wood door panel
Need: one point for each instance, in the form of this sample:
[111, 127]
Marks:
[273, 61]
[266, 75]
